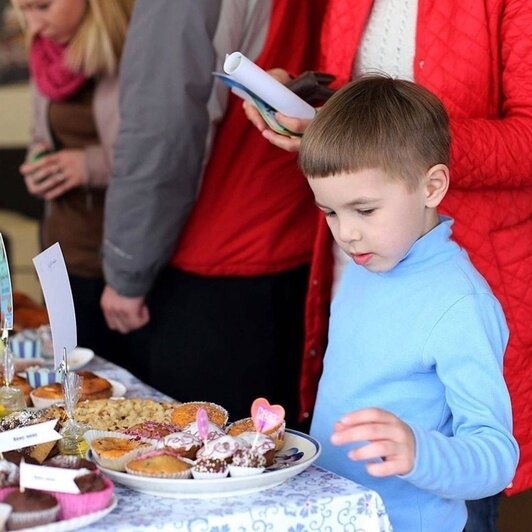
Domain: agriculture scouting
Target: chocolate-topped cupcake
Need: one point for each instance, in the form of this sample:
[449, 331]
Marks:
[247, 462]
[31, 508]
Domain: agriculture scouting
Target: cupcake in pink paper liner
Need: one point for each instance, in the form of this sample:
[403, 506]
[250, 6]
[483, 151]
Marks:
[247, 462]
[161, 463]
[209, 468]
[4, 492]
[96, 492]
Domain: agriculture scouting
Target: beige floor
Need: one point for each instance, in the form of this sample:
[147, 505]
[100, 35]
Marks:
[22, 233]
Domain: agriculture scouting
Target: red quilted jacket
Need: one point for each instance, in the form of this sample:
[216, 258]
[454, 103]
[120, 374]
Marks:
[477, 57]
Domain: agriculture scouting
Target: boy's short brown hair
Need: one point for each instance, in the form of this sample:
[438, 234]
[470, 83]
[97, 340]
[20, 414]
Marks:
[377, 122]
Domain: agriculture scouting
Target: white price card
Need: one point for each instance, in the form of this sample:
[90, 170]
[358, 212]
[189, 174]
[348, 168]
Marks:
[28, 436]
[53, 276]
[46, 478]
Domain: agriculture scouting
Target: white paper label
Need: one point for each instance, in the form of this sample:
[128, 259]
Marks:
[53, 276]
[45, 478]
[28, 435]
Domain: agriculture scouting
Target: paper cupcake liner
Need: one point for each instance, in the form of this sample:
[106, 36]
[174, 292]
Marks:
[241, 471]
[78, 504]
[22, 348]
[42, 377]
[246, 425]
[118, 463]
[181, 474]
[20, 520]
[204, 475]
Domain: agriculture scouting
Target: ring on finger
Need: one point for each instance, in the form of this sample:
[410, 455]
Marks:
[60, 176]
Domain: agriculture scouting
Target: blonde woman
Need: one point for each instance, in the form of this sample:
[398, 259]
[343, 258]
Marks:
[74, 52]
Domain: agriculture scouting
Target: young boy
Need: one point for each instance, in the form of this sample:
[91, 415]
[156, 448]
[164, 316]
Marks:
[412, 401]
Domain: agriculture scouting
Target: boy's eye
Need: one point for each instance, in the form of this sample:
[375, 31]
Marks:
[366, 212]
[329, 214]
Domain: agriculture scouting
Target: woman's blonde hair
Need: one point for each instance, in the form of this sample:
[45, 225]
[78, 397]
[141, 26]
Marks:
[97, 46]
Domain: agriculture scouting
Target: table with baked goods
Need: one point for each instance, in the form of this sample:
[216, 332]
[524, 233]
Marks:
[315, 499]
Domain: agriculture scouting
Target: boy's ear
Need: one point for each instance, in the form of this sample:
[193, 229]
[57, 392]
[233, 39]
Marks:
[436, 184]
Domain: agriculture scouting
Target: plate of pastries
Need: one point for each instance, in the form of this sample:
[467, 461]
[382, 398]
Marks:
[40, 510]
[94, 386]
[175, 455]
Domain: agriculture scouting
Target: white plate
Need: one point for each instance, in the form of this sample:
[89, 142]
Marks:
[119, 390]
[299, 452]
[75, 523]
[79, 357]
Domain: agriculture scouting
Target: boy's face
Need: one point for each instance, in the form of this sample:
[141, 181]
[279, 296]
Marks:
[373, 218]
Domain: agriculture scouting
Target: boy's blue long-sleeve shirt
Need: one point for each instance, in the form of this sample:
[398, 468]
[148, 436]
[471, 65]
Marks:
[424, 341]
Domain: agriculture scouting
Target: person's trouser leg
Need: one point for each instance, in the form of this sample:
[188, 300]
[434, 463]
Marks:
[482, 514]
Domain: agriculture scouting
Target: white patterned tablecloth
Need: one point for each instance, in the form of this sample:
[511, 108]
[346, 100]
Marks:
[315, 500]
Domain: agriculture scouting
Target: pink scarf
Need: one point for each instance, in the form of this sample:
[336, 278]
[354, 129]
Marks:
[53, 77]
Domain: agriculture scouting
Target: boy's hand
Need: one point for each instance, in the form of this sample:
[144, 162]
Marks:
[389, 438]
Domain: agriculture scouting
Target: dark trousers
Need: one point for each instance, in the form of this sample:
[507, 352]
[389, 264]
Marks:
[482, 514]
[128, 351]
[229, 340]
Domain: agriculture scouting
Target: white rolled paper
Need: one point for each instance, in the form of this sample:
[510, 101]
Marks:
[266, 87]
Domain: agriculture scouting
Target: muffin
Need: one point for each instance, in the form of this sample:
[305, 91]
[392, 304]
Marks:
[163, 463]
[70, 462]
[31, 508]
[213, 430]
[114, 450]
[92, 387]
[185, 413]
[222, 448]
[247, 425]
[187, 445]
[152, 430]
[246, 462]
[260, 443]
[209, 468]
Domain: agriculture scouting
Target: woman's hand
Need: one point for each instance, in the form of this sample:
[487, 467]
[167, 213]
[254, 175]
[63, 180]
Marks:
[293, 124]
[52, 175]
[390, 440]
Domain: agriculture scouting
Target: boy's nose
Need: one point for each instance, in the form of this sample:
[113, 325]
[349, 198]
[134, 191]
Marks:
[348, 233]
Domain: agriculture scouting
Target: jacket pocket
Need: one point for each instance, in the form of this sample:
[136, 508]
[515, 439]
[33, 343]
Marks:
[513, 253]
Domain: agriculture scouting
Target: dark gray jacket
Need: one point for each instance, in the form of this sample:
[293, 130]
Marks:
[169, 105]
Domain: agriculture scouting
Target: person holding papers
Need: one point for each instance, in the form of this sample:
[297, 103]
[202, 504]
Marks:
[477, 57]
[75, 49]
[215, 258]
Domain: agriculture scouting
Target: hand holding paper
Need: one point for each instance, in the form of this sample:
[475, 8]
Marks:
[252, 83]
